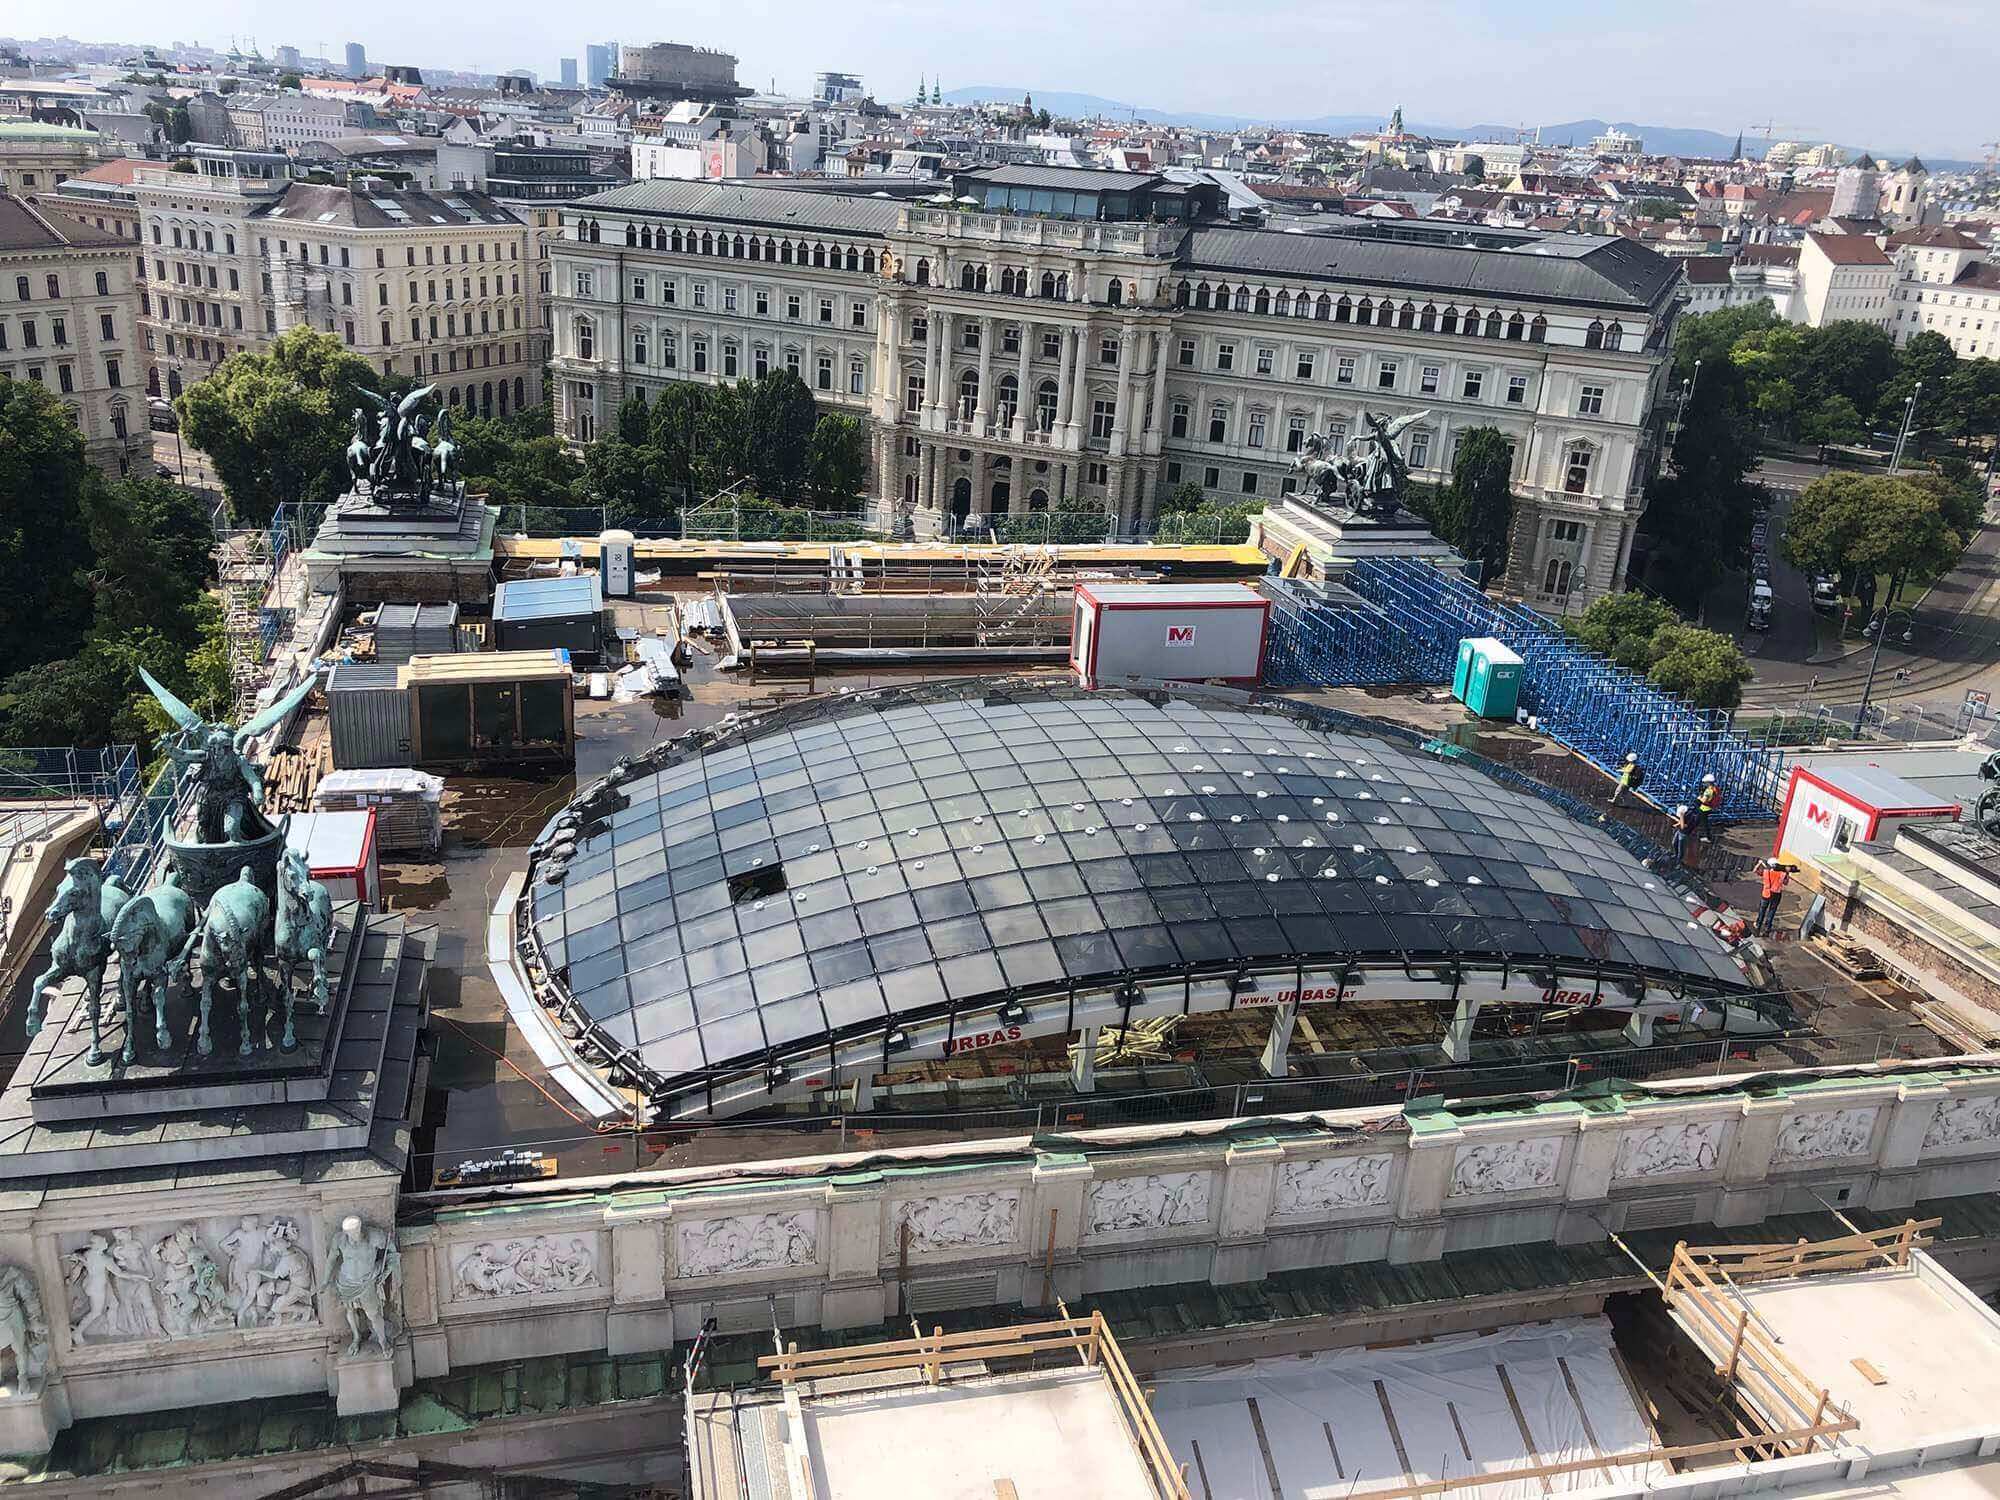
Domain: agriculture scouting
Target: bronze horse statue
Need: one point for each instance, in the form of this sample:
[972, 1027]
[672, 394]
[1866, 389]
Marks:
[87, 904]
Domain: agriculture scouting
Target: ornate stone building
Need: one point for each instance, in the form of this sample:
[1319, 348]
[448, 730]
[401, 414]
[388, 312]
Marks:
[1072, 334]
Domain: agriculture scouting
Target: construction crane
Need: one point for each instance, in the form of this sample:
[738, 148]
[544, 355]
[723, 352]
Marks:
[1992, 155]
[1770, 128]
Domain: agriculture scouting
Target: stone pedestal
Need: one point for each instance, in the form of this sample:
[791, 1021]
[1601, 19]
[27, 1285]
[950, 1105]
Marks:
[364, 1382]
[31, 1415]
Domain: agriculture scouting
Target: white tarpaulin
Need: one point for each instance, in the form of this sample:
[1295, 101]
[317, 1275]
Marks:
[1339, 1424]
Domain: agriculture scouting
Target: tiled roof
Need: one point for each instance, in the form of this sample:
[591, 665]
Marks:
[311, 203]
[1707, 270]
[28, 225]
[1935, 237]
[1849, 249]
[744, 203]
[1598, 270]
[1769, 255]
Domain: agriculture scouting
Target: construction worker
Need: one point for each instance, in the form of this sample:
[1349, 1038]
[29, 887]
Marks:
[1705, 803]
[1683, 825]
[1630, 776]
[1772, 878]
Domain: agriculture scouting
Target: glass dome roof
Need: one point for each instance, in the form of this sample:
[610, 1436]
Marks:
[834, 868]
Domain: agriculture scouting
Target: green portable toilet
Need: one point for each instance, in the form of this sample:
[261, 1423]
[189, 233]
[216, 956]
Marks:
[1487, 679]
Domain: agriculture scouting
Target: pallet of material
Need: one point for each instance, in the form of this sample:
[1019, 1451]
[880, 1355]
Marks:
[292, 775]
[1851, 959]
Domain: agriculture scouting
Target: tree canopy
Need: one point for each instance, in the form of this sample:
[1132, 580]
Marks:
[1474, 511]
[1700, 510]
[1645, 636]
[1869, 523]
[44, 548]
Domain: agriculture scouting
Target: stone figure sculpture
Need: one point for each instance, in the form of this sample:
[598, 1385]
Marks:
[154, 937]
[284, 1293]
[1366, 474]
[364, 1270]
[87, 905]
[444, 452]
[247, 1246]
[24, 1329]
[747, 1242]
[111, 1295]
[192, 1296]
[1987, 813]
[304, 935]
[514, 1268]
[233, 939]
[1504, 1167]
[1161, 1200]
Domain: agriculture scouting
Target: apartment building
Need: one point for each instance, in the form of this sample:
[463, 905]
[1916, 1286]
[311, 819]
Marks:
[36, 157]
[434, 286]
[286, 120]
[1844, 278]
[1107, 335]
[1947, 283]
[69, 322]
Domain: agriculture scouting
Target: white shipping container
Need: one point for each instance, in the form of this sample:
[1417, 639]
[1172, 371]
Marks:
[1169, 632]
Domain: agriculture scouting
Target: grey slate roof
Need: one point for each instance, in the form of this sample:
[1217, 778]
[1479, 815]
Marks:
[1065, 179]
[1598, 270]
[735, 203]
[310, 203]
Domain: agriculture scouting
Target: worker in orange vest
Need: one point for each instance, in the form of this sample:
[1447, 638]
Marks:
[1772, 878]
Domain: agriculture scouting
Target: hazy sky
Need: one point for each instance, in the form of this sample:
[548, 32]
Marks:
[1914, 74]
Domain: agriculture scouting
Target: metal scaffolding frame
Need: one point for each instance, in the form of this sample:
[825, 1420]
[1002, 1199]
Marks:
[1406, 626]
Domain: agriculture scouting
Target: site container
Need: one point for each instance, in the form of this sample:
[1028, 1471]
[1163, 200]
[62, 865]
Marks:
[406, 630]
[368, 712]
[1487, 679]
[1828, 809]
[1169, 632]
[490, 708]
[340, 851]
[564, 614]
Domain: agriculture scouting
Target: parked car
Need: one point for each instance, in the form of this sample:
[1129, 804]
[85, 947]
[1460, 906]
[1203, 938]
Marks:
[1758, 616]
[1825, 591]
[160, 415]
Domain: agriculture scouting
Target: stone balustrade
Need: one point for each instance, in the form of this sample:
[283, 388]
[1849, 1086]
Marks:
[850, 1242]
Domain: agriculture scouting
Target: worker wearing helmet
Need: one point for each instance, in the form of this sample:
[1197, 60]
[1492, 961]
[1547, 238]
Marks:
[1630, 776]
[1772, 878]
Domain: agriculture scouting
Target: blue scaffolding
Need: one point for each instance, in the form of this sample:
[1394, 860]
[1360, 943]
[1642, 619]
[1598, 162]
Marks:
[1405, 618]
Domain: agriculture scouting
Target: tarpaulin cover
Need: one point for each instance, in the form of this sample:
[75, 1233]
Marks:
[1323, 1422]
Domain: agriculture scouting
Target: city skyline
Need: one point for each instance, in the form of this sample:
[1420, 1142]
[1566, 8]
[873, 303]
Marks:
[1271, 61]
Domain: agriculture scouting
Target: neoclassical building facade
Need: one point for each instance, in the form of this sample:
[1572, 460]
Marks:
[1109, 336]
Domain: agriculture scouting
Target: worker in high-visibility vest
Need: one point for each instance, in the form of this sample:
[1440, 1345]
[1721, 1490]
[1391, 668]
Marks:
[1772, 878]
[1631, 776]
[1705, 803]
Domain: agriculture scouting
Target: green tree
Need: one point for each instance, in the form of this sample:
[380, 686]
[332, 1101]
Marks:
[1183, 497]
[1702, 666]
[780, 417]
[1972, 399]
[1927, 359]
[837, 463]
[723, 442]
[44, 543]
[633, 422]
[621, 477]
[275, 424]
[1700, 511]
[153, 558]
[290, 81]
[1477, 506]
[1710, 337]
[1868, 523]
[180, 129]
[1622, 627]
[672, 433]
[1208, 524]
[1960, 496]
[1834, 420]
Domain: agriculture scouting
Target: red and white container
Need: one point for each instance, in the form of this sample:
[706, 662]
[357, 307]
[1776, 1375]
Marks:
[1828, 809]
[340, 852]
[1169, 632]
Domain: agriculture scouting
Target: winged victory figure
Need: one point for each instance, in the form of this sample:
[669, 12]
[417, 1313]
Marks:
[232, 788]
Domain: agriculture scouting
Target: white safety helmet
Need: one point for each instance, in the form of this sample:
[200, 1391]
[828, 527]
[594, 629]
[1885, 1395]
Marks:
[1631, 755]
[1709, 777]
[1681, 810]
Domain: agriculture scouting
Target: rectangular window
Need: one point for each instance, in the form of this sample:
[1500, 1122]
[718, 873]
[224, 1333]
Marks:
[1343, 372]
[113, 377]
[1306, 366]
[1255, 436]
[65, 379]
[1178, 423]
[913, 393]
[763, 303]
[1385, 375]
[1428, 384]
[638, 346]
[1267, 361]
[826, 309]
[1097, 473]
[105, 326]
[1225, 356]
[1295, 435]
[103, 285]
[1187, 351]
[857, 315]
[855, 377]
[1107, 352]
[1051, 345]
[1102, 416]
[1517, 390]
[1210, 478]
[729, 360]
[1249, 481]
[729, 299]
[792, 306]
[700, 293]
[1173, 473]
[1010, 340]
[1218, 425]
[586, 281]
[823, 371]
[698, 352]
[1475, 381]
[1590, 401]
[638, 289]
[1420, 450]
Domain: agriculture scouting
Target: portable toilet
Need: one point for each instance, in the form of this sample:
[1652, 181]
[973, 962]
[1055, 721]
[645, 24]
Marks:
[1487, 679]
[615, 551]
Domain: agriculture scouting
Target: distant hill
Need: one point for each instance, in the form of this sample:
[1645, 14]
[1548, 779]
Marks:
[1661, 140]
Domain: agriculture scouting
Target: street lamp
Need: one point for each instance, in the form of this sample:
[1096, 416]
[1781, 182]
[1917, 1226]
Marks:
[1902, 437]
[1875, 656]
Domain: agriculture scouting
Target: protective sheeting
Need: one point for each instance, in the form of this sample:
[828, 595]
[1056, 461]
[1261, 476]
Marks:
[1338, 1425]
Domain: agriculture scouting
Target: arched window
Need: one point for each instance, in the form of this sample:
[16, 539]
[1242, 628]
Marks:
[1366, 312]
[1427, 320]
[1038, 499]
[677, 242]
[1201, 295]
[1116, 294]
[1556, 577]
[1472, 322]
[819, 255]
[968, 392]
[503, 398]
[1045, 406]
[452, 395]
[1009, 398]
[486, 399]
[1263, 300]
[520, 399]
[632, 235]
[1516, 327]
[1493, 327]
[1448, 323]
[1593, 336]
[736, 247]
[868, 262]
[1183, 294]
[785, 256]
[586, 339]
[1242, 303]
[853, 260]
[1614, 337]
[1002, 492]
[1385, 313]
[646, 238]
[923, 273]
[1538, 331]
[965, 278]
[1048, 283]
[979, 278]
[1579, 459]
[1407, 317]
[756, 248]
[1302, 308]
[1062, 286]
[1343, 310]
[961, 497]
[1283, 307]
